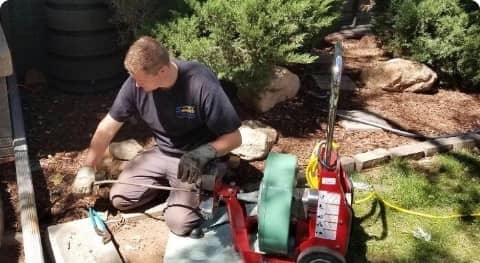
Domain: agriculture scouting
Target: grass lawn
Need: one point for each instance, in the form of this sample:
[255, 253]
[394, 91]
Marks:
[447, 184]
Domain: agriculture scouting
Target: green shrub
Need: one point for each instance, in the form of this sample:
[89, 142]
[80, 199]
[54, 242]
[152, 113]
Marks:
[445, 34]
[135, 18]
[243, 39]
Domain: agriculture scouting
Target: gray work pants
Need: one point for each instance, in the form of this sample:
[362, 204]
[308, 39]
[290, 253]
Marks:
[153, 167]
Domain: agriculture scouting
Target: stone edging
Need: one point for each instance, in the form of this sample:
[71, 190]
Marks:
[410, 151]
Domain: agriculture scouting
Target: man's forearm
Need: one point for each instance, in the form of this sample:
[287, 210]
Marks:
[104, 134]
[227, 142]
[98, 145]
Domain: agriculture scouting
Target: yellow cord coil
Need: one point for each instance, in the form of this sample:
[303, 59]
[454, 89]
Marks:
[312, 166]
[311, 171]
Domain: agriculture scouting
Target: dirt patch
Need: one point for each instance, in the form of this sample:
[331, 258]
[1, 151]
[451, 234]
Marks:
[59, 128]
[142, 240]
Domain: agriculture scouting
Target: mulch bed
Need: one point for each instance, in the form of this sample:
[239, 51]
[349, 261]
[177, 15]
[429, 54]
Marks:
[59, 128]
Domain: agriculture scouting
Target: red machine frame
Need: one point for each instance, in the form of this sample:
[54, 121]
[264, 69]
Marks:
[242, 225]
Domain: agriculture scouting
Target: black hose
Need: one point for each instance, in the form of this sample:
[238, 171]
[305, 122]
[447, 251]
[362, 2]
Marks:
[400, 132]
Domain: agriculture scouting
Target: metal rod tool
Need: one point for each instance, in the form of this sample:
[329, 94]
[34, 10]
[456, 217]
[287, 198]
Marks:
[158, 187]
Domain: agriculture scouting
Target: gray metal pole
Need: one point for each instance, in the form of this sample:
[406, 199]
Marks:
[337, 69]
[32, 244]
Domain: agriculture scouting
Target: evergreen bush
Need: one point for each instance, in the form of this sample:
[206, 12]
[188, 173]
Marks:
[444, 34]
[135, 18]
[243, 39]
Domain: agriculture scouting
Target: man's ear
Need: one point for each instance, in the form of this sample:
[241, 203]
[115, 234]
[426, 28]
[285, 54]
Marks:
[163, 68]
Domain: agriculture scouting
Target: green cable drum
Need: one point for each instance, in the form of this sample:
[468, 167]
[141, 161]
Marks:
[275, 201]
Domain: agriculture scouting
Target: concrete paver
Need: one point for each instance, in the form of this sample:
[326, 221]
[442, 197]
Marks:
[411, 151]
[370, 159]
[458, 142]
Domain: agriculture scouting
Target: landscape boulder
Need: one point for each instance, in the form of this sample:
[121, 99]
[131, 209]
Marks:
[400, 75]
[282, 86]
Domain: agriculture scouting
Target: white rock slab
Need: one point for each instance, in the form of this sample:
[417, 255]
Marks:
[77, 242]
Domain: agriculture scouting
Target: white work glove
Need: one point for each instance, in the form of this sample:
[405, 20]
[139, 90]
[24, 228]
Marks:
[83, 182]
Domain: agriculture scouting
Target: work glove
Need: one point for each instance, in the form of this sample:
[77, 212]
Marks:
[83, 182]
[193, 163]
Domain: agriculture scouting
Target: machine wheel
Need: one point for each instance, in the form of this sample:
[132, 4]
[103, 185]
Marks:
[320, 255]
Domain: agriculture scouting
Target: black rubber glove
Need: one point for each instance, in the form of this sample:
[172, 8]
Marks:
[193, 162]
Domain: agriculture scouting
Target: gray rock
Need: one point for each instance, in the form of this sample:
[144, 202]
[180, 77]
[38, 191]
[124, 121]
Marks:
[254, 144]
[272, 134]
[125, 150]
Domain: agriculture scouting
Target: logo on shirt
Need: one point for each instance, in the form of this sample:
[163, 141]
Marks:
[185, 112]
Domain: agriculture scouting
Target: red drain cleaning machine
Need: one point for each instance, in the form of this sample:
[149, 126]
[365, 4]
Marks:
[306, 224]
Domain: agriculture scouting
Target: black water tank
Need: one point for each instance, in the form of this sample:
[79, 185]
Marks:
[84, 55]
[24, 26]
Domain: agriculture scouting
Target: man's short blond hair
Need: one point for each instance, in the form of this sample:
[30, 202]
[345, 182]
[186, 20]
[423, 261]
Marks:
[146, 54]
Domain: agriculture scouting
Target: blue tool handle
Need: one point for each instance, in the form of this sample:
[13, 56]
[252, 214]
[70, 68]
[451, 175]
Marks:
[96, 220]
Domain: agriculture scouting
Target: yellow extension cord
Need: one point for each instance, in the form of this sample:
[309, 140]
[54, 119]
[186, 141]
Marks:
[312, 181]
[373, 195]
[311, 171]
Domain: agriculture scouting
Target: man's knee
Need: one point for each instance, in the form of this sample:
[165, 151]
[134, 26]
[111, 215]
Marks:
[120, 202]
[181, 220]
[123, 201]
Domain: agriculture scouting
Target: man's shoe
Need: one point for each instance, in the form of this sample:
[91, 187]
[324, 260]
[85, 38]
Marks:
[196, 233]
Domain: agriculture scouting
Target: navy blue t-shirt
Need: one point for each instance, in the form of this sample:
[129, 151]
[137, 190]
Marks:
[193, 112]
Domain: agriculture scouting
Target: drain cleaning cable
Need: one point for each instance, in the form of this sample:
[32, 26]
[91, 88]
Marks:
[151, 186]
